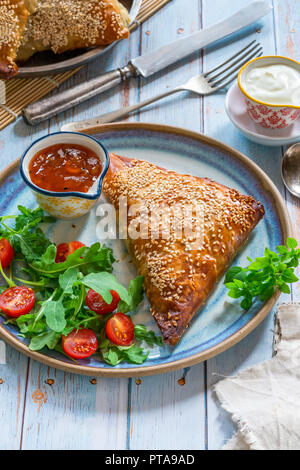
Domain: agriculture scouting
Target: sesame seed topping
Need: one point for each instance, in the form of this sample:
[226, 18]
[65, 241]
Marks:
[181, 266]
[70, 24]
[13, 18]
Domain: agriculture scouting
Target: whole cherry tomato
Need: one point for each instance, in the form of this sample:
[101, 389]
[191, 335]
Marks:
[96, 303]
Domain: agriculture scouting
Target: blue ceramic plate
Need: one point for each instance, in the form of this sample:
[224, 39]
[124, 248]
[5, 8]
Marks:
[47, 63]
[220, 323]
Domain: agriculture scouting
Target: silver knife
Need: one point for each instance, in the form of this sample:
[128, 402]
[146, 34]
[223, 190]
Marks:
[145, 65]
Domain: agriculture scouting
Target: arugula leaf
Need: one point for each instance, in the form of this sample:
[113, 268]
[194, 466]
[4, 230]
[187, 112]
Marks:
[93, 259]
[263, 276]
[142, 334]
[136, 294]
[103, 283]
[67, 280]
[48, 257]
[73, 303]
[30, 325]
[49, 338]
[61, 289]
[55, 315]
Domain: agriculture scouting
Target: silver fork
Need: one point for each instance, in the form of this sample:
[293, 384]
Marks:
[204, 84]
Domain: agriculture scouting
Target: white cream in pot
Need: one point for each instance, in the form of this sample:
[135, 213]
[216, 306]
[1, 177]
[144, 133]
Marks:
[275, 84]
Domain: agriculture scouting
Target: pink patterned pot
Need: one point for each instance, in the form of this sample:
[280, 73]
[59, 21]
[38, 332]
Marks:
[270, 116]
[265, 114]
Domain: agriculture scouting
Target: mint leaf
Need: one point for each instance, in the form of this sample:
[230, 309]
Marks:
[284, 288]
[235, 293]
[231, 273]
[289, 276]
[26, 238]
[258, 264]
[246, 303]
[31, 218]
[264, 275]
[282, 249]
[291, 243]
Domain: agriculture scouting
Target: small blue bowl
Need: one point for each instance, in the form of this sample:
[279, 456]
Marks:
[66, 205]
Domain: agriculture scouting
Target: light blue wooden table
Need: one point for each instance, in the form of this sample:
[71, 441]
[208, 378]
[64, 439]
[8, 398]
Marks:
[43, 408]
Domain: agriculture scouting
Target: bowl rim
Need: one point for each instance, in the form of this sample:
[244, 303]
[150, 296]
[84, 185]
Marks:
[79, 194]
[264, 103]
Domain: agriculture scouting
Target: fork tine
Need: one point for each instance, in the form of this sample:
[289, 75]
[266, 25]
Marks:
[239, 65]
[245, 55]
[232, 77]
[205, 74]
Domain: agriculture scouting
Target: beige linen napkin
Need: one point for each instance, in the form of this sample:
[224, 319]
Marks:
[264, 400]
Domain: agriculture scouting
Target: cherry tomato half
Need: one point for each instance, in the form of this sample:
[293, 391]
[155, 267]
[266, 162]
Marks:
[6, 252]
[17, 301]
[120, 329]
[65, 249]
[96, 303]
[80, 344]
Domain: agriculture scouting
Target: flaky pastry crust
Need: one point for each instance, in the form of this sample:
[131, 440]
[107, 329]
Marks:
[64, 25]
[13, 18]
[180, 271]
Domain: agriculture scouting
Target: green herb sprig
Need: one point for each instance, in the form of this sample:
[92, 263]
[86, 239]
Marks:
[114, 355]
[264, 275]
[26, 237]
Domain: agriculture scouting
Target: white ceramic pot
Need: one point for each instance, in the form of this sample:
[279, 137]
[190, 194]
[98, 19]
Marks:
[68, 205]
[269, 115]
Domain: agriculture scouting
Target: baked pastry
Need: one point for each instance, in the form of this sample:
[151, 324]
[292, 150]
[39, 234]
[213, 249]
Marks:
[13, 19]
[208, 223]
[63, 25]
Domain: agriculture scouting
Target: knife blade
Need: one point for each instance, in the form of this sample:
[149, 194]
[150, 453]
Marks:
[145, 65]
[154, 61]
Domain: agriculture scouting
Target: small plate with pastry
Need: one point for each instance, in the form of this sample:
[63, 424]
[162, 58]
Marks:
[39, 37]
[186, 314]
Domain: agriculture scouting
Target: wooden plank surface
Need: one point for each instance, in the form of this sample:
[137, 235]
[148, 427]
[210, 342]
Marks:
[41, 408]
[258, 346]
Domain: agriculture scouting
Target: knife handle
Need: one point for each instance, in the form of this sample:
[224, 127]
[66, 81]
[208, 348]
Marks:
[48, 107]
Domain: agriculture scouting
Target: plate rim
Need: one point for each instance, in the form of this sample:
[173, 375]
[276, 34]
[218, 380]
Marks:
[77, 61]
[145, 370]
